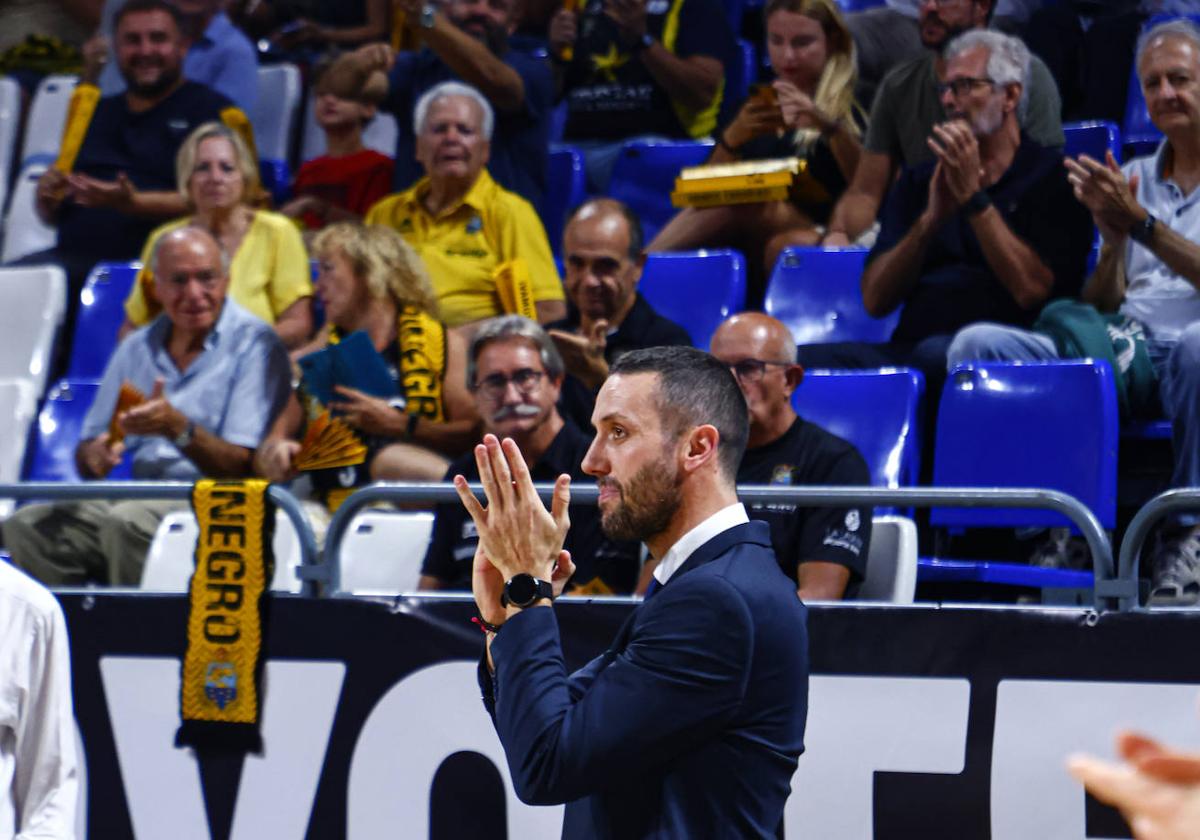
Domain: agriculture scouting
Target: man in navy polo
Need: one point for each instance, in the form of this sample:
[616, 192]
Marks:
[465, 40]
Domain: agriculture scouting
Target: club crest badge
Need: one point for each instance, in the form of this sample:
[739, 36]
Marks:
[782, 474]
[220, 683]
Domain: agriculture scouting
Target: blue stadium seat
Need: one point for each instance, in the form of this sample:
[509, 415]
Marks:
[695, 289]
[816, 292]
[858, 5]
[276, 179]
[739, 75]
[876, 410]
[733, 11]
[101, 312]
[644, 176]
[52, 451]
[566, 188]
[1092, 138]
[1036, 424]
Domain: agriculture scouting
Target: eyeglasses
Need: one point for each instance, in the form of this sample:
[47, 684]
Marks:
[206, 279]
[963, 86]
[752, 370]
[494, 386]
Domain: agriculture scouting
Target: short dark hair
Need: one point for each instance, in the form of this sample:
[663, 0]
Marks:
[695, 389]
[133, 6]
[637, 239]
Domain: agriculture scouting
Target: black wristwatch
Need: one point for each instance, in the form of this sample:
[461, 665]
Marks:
[1143, 231]
[644, 42]
[977, 203]
[525, 590]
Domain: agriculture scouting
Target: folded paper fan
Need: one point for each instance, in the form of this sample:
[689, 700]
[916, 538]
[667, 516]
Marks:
[127, 398]
[329, 443]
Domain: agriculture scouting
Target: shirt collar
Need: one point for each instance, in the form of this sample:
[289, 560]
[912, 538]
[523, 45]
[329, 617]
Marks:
[685, 546]
[477, 198]
[160, 328]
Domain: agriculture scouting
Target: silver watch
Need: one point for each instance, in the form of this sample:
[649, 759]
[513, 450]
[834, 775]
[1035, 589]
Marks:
[184, 439]
[426, 19]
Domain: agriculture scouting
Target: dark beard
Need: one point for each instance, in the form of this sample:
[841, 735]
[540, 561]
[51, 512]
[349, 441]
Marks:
[647, 505]
[165, 82]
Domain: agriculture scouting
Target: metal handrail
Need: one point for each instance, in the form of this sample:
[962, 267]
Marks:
[1139, 529]
[76, 491]
[1109, 590]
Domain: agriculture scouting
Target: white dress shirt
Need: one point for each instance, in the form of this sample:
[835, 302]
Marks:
[677, 555]
[37, 723]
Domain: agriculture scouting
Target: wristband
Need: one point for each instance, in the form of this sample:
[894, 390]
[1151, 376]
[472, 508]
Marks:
[721, 142]
[1142, 232]
[485, 625]
[977, 203]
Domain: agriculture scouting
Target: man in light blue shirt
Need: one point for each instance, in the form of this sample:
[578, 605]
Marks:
[214, 377]
[219, 56]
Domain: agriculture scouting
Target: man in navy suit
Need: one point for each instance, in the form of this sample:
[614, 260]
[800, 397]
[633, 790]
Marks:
[690, 725]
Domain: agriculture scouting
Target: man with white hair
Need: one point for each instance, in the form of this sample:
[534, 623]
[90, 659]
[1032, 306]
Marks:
[1146, 285]
[472, 234]
[987, 231]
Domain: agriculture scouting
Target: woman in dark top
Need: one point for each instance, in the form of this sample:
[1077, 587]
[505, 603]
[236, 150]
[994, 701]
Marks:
[808, 112]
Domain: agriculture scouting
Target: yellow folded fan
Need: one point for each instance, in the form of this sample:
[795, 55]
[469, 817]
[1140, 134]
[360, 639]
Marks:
[748, 182]
[515, 288]
[329, 444]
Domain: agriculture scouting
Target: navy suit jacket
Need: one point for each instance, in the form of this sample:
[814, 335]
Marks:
[688, 726]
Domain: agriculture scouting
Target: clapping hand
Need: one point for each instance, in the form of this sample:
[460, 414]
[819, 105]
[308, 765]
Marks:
[1103, 190]
[584, 354]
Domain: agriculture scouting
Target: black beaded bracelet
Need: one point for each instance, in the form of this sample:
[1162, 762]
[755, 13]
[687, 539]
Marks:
[485, 625]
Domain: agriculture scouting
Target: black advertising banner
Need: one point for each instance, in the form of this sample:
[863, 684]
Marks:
[924, 721]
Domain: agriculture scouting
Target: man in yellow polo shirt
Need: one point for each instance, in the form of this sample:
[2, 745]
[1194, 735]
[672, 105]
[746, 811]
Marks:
[484, 246]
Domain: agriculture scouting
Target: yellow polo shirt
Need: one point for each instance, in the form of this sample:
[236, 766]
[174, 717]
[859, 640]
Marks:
[269, 272]
[464, 246]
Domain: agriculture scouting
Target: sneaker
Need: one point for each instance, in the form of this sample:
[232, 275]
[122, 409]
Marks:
[1175, 570]
[1060, 550]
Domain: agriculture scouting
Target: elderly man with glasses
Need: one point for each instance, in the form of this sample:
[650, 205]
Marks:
[988, 230]
[516, 374]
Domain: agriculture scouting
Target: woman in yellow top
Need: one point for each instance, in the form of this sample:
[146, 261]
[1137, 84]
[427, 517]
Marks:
[269, 273]
[371, 280]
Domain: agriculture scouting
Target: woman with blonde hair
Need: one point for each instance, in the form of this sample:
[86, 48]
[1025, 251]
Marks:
[370, 280]
[808, 112]
[269, 273]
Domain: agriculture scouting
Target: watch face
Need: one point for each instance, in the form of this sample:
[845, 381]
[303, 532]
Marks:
[522, 589]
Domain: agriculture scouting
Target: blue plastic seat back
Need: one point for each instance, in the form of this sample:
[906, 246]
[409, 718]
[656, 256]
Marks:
[101, 313]
[816, 293]
[695, 289]
[741, 72]
[57, 434]
[1092, 138]
[566, 189]
[876, 410]
[858, 5]
[1049, 425]
[644, 174]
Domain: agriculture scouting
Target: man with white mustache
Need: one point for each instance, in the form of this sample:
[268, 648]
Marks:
[515, 373]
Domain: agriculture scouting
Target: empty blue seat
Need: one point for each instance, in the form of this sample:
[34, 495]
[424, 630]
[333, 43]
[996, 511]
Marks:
[739, 75]
[644, 174]
[276, 179]
[52, 450]
[815, 291]
[566, 188]
[876, 410]
[101, 312]
[1051, 425]
[695, 289]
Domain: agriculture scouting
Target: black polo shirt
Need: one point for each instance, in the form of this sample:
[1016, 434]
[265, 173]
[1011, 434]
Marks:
[452, 546]
[807, 454]
[956, 285]
[143, 146]
[642, 327]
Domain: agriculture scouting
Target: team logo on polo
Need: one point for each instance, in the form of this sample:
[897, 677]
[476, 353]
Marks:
[852, 521]
[782, 474]
[475, 225]
[220, 683]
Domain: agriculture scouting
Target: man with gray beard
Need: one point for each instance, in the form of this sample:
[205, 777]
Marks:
[515, 373]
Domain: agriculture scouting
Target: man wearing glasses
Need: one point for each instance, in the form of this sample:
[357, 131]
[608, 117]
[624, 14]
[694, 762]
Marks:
[515, 373]
[823, 550]
[907, 106]
[986, 231]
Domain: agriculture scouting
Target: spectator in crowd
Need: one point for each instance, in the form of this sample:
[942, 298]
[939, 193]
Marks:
[371, 280]
[809, 113]
[890, 34]
[468, 41]
[823, 550]
[472, 234]
[122, 181]
[213, 376]
[603, 258]
[1146, 282]
[304, 30]
[37, 723]
[515, 373]
[342, 184]
[908, 106]
[987, 231]
[219, 55]
[639, 68]
[269, 274]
